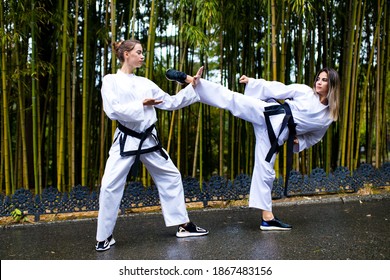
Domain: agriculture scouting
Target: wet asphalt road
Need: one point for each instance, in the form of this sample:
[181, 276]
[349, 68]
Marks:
[355, 228]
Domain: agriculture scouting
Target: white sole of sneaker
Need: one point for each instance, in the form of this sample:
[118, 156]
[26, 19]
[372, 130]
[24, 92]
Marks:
[274, 228]
[187, 234]
[102, 250]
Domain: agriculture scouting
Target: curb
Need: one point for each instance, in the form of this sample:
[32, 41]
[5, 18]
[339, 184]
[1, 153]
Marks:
[8, 222]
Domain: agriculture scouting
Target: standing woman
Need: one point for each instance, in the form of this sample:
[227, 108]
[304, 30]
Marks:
[304, 118]
[130, 100]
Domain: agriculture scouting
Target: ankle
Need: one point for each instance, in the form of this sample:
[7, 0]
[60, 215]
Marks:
[267, 215]
[185, 224]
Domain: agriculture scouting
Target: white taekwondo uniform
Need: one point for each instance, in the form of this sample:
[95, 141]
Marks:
[312, 119]
[122, 96]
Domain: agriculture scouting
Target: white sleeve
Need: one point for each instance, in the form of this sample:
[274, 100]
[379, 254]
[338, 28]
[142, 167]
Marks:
[114, 108]
[183, 98]
[265, 90]
[307, 140]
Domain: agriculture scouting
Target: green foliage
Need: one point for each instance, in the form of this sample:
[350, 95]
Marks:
[18, 216]
[194, 35]
[301, 7]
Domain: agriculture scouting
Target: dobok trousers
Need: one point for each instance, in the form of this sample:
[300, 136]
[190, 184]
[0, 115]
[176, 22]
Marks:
[164, 174]
[252, 110]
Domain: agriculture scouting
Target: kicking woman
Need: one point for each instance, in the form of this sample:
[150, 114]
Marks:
[303, 118]
[130, 100]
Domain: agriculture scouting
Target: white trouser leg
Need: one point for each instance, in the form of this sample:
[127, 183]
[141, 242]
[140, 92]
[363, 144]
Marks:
[244, 107]
[111, 191]
[263, 176]
[170, 188]
[263, 172]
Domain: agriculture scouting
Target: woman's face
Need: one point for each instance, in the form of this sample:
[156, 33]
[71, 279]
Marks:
[135, 57]
[322, 84]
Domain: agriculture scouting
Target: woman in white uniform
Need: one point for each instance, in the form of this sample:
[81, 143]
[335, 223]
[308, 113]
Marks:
[310, 112]
[130, 100]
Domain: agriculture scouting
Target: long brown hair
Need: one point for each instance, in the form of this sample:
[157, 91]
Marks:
[121, 47]
[333, 91]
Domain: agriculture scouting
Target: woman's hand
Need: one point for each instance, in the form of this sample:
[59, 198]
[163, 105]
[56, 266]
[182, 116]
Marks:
[196, 78]
[151, 102]
[244, 79]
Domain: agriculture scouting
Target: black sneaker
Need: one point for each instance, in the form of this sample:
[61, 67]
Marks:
[106, 244]
[176, 76]
[274, 224]
[190, 229]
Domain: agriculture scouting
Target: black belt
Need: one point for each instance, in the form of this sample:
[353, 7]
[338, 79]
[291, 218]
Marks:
[137, 153]
[288, 121]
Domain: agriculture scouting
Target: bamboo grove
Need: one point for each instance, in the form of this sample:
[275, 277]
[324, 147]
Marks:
[54, 54]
